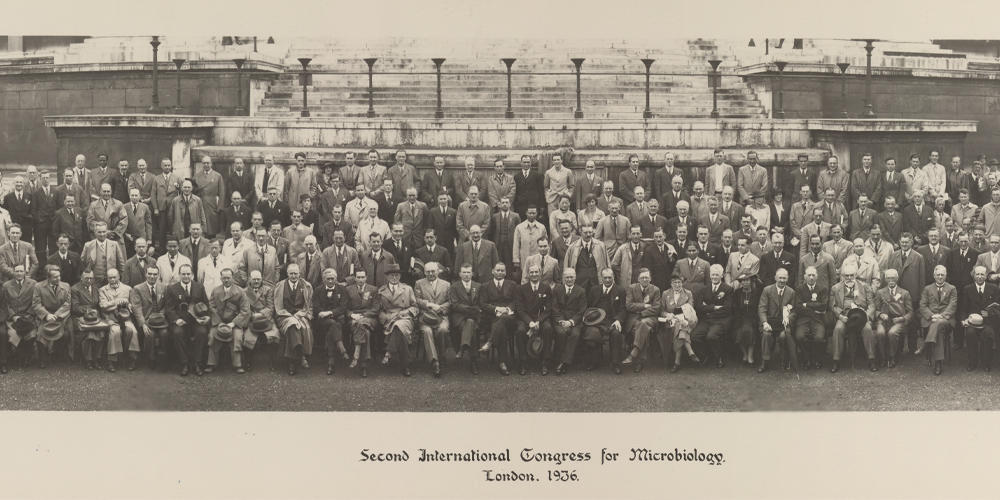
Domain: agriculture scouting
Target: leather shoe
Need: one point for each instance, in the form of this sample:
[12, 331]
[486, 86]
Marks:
[872, 366]
[522, 370]
[240, 370]
[694, 359]
[111, 366]
[184, 371]
[835, 367]
[131, 365]
[406, 372]
[637, 368]
[503, 369]
[937, 368]
[436, 367]
[291, 368]
[330, 369]
[675, 368]
[617, 369]
[762, 368]
[198, 371]
[892, 363]
[364, 372]
[3, 368]
[209, 369]
[561, 369]
[721, 363]
[475, 368]
[545, 370]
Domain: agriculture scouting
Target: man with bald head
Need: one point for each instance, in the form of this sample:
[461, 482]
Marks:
[938, 306]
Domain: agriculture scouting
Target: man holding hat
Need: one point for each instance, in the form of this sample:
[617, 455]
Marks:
[569, 302]
[19, 294]
[642, 301]
[604, 320]
[776, 315]
[188, 329]
[362, 303]
[293, 302]
[894, 310]
[397, 310]
[853, 308]
[534, 326]
[432, 298]
[85, 301]
[147, 306]
[980, 320]
[52, 307]
[230, 319]
[330, 306]
[260, 296]
[117, 311]
[938, 304]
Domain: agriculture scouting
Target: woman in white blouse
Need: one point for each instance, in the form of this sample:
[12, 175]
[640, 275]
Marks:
[590, 215]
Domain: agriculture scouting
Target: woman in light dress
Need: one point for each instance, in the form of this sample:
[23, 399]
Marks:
[562, 214]
[678, 315]
[590, 215]
[558, 182]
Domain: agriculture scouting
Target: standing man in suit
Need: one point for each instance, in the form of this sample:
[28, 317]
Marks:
[613, 228]
[918, 218]
[135, 267]
[375, 260]
[500, 185]
[862, 218]
[934, 253]
[81, 177]
[663, 179]
[237, 211]
[299, 181]
[534, 317]
[189, 334]
[588, 183]
[169, 264]
[436, 182]
[893, 183]
[659, 257]
[588, 258]
[261, 257]
[990, 259]
[498, 299]
[525, 240]
[268, 177]
[99, 176]
[194, 247]
[430, 251]
[185, 210]
[165, 189]
[239, 180]
[865, 181]
[109, 211]
[69, 262]
[630, 179]
[341, 258]
[890, 221]
[673, 196]
[102, 255]
[834, 178]
[69, 221]
[482, 254]
[713, 220]
[501, 232]
[140, 221]
[607, 196]
[383, 198]
[143, 181]
[528, 189]
[70, 186]
[404, 176]
[822, 262]
[43, 211]
[718, 176]
[471, 212]
[412, 214]
[442, 219]
[777, 258]
[752, 179]
[693, 270]
[273, 209]
[467, 179]
[371, 175]
[118, 181]
[938, 305]
[402, 250]
[211, 192]
[802, 176]
[19, 203]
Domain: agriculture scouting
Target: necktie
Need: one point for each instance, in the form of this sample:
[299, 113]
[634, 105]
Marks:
[215, 261]
[152, 291]
[614, 225]
[308, 262]
[939, 292]
[171, 263]
[71, 213]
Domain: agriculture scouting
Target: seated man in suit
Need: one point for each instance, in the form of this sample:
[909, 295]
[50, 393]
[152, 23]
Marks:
[463, 296]
[330, 303]
[714, 306]
[642, 301]
[188, 333]
[693, 270]
[981, 331]
[397, 312]
[498, 304]
[568, 304]
[893, 311]
[775, 310]
[812, 302]
[432, 252]
[610, 298]
[123, 336]
[70, 265]
[85, 297]
[846, 298]
[293, 311]
[432, 299]
[147, 299]
[938, 305]
[230, 321]
[362, 317]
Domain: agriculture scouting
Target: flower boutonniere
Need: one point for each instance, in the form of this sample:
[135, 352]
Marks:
[815, 297]
[722, 295]
[898, 296]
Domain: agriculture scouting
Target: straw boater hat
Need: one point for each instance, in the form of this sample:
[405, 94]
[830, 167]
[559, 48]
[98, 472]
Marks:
[975, 320]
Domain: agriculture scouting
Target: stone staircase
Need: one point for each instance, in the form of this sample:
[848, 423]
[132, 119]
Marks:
[543, 83]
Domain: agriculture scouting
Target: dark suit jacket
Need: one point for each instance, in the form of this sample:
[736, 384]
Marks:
[491, 297]
[807, 308]
[175, 296]
[568, 307]
[119, 185]
[660, 264]
[337, 302]
[870, 184]
[972, 302]
[503, 236]
[534, 306]
[240, 213]
[20, 211]
[960, 267]
[673, 222]
[439, 255]
[705, 302]
[613, 303]
[931, 260]
[482, 269]
[244, 185]
[712, 254]
[896, 189]
[668, 203]
[386, 207]
[69, 269]
[75, 227]
[443, 225]
[329, 226]
[280, 212]
[786, 219]
[402, 257]
[661, 183]
[433, 185]
[795, 180]
[464, 305]
[892, 226]
[44, 206]
[529, 191]
[918, 223]
[648, 227]
[769, 265]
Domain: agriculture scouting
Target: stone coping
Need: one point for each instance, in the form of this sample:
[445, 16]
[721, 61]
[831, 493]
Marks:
[166, 66]
[819, 124]
[859, 70]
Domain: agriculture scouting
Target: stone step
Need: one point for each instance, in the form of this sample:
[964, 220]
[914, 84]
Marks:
[455, 158]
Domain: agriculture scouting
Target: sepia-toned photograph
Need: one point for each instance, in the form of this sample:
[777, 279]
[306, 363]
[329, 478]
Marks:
[604, 223]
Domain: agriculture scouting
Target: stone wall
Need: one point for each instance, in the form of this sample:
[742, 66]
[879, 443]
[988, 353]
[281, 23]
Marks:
[819, 96]
[25, 99]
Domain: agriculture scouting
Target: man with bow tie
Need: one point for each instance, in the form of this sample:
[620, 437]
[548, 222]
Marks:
[894, 311]
[938, 305]
[135, 267]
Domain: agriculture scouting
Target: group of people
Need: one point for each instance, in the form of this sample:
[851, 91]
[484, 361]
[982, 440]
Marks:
[530, 269]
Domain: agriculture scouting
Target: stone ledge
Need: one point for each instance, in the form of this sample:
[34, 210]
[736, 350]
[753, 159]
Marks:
[164, 66]
[760, 69]
[129, 121]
